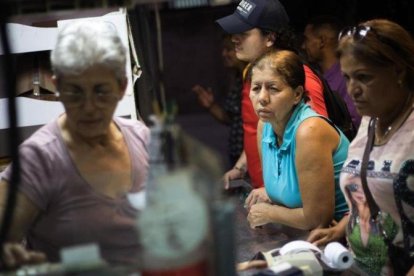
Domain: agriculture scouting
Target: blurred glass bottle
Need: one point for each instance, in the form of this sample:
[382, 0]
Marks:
[173, 227]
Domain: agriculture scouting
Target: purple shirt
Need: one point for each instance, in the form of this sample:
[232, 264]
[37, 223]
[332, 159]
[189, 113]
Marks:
[71, 211]
[336, 81]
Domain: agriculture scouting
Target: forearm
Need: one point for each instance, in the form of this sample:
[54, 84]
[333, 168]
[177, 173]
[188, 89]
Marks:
[341, 226]
[335, 232]
[292, 217]
[14, 234]
[238, 171]
[24, 213]
[241, 162]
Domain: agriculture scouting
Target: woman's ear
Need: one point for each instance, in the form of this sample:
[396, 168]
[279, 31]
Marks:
[299, 93]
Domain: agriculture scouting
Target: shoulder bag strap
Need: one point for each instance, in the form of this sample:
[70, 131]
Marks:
[373, 207]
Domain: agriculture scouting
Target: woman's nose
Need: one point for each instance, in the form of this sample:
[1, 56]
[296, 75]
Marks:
[263, 97]
[89, 102]
[353, 88]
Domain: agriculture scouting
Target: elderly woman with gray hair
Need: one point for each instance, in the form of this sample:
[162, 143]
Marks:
[77, 170]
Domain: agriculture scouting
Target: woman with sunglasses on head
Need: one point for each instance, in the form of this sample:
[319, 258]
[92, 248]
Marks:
[76, 171]
[377, 60]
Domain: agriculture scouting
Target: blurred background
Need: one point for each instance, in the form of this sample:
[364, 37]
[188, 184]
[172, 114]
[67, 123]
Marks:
[191, 48]
[178, 45]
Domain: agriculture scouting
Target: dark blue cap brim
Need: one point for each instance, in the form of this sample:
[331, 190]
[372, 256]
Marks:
[233, 24]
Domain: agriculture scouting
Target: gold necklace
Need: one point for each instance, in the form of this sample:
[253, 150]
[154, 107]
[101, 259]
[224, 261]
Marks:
[406, 112]
[389, 128]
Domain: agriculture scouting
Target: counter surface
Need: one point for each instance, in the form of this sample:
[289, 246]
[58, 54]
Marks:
[250, 241]
[271, 236]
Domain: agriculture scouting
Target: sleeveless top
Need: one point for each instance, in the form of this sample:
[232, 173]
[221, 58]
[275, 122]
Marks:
[390, 169]
[279, 167]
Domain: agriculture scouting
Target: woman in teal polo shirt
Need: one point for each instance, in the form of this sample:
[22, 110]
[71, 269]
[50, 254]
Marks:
[302, 152]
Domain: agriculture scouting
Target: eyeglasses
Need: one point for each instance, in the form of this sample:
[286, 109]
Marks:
[357, 32]
[76, 98]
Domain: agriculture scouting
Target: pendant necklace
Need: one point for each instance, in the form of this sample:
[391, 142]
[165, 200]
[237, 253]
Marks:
[406, 113]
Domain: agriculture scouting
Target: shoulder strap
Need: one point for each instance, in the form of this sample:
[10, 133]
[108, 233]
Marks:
[373, 207]
[332, 124]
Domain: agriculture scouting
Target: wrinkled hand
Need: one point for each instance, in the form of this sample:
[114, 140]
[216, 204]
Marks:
[205, 96]
[16, 255]
[231, 175]
[257, 196]
[259, 214]
[323, 236]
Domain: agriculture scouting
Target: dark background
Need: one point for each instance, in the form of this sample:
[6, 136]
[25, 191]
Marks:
[188, 42]
[192, 52]
[191, 39]
[190, 47]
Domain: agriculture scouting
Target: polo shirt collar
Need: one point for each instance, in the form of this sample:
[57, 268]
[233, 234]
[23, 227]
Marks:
[270, 137]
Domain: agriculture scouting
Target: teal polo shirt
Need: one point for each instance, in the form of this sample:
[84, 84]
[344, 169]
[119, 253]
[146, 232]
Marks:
[279, 167]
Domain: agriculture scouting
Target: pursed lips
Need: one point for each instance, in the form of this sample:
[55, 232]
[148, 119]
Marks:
[263, 111]
[358, 102]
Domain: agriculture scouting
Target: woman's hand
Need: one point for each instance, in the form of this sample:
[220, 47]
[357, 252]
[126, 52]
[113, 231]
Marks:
[258, 204]
[320, 237]
[16, 255]
[259, 214]
[256, 196]
[231, 175]
[335, 232]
